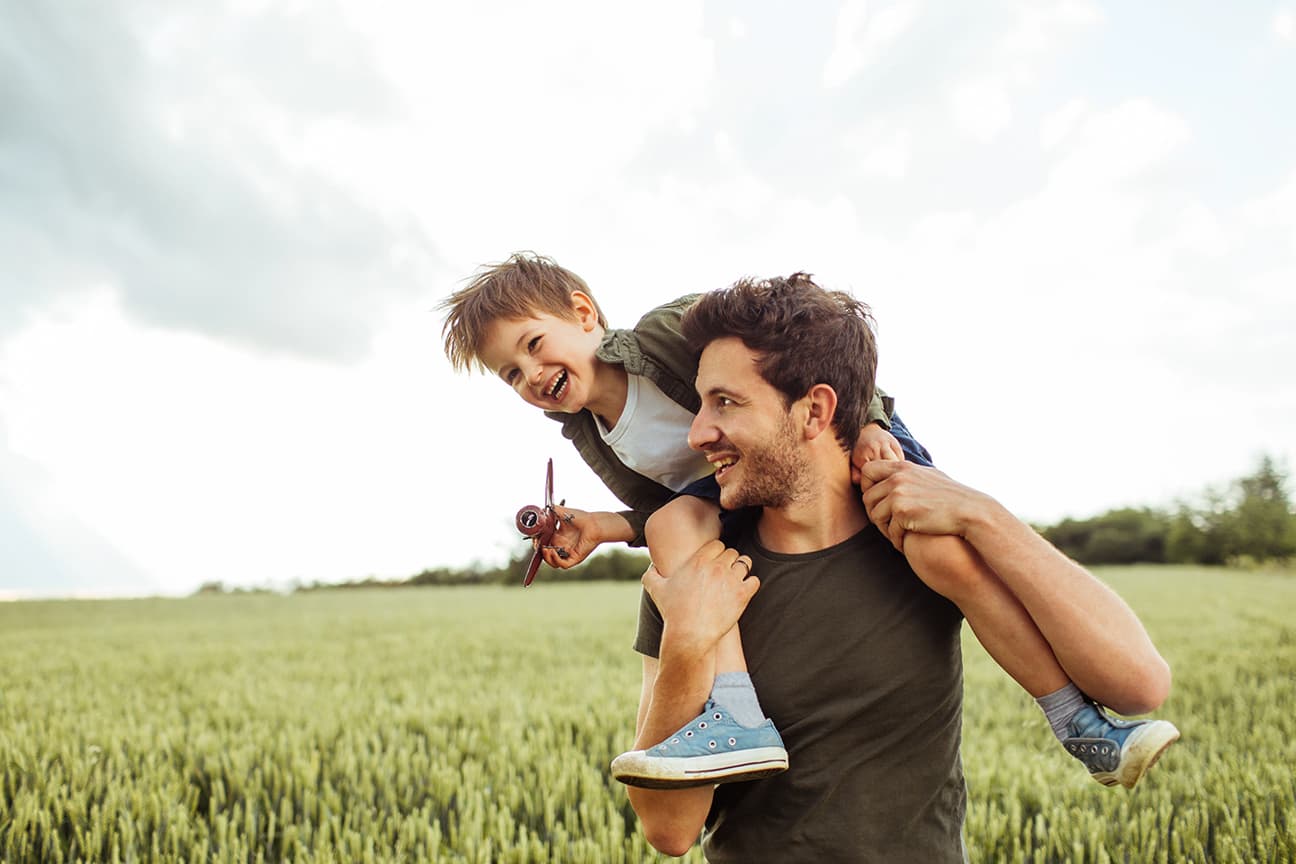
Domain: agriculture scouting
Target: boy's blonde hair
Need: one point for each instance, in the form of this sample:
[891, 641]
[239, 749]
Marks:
[521, 286]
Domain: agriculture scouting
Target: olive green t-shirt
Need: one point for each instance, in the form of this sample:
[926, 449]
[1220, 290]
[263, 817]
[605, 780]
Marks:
[859, 666]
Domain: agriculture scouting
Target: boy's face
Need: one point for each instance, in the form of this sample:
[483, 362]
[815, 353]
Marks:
[547, 360]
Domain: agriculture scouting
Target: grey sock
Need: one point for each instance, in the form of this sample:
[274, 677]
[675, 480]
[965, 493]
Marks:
[1060, 706]
[734, 692]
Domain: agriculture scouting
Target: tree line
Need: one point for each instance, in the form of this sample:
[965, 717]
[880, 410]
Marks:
[1249, 521]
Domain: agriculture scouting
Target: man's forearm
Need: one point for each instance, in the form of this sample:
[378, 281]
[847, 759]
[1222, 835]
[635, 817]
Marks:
[672, 819]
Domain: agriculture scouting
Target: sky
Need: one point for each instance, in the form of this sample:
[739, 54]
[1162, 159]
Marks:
[225, 227]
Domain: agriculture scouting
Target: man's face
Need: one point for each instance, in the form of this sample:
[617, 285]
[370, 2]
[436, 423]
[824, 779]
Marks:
[744, 430]
[547, 360]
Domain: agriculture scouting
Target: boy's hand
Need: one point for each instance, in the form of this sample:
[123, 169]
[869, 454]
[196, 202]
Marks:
[873, 445]
[577, 536]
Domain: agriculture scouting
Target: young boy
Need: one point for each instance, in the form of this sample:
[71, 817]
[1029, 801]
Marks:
[625, 399]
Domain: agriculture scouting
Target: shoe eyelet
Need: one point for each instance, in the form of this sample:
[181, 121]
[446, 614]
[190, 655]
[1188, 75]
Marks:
[674, 740]
[688, 734]
[717, 716]
[711, 744]
[702, 724]
[733, 741]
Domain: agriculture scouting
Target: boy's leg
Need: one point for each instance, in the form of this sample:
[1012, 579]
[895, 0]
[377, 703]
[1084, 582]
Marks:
[951, 568]
[1114, 751]
[674, 533]
[731, 740]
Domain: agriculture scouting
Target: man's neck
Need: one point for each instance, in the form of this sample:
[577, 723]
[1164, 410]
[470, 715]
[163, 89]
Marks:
[829, 513]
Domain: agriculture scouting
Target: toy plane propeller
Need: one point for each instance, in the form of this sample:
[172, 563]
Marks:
[540, 524]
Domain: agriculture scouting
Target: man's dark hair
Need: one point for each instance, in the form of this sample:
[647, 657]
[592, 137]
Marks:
[803, 336]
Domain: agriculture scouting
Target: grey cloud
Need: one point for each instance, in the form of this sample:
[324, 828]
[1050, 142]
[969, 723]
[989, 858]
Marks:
[212, 232]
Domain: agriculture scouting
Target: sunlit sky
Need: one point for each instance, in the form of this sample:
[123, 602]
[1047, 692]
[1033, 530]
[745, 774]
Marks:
[225, 227]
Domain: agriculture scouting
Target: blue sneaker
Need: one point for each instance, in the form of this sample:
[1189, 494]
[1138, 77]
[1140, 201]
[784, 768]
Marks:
[712, 748]
[1117, 751]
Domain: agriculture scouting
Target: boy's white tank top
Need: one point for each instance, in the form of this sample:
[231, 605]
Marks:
[651, 437]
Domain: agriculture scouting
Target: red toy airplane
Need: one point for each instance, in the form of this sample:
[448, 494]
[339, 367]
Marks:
[540, 524]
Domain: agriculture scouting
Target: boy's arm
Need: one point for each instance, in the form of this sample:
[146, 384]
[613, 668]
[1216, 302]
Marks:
[880, 409]
[875, 441]
[580, 533]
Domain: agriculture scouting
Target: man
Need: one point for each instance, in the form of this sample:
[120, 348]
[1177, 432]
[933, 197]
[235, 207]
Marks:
[857, 662]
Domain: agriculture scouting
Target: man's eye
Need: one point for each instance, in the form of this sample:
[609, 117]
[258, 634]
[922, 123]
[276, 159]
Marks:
[724, 401]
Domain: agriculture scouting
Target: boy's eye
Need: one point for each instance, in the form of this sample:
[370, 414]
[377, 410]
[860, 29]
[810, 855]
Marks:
[534, 343]
[510, 376]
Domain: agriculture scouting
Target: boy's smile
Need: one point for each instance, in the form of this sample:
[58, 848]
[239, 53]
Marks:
[549, 361]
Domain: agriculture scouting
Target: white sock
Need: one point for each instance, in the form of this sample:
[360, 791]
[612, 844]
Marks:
[1060, 706]
[735, 692]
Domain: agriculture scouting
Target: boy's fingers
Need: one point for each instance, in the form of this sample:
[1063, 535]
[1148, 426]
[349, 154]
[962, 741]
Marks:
[876, 472]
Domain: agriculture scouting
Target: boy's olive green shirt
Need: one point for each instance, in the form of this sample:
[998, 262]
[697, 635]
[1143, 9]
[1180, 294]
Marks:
[655, 349]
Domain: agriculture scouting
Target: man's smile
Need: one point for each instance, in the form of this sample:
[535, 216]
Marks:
[722, 464]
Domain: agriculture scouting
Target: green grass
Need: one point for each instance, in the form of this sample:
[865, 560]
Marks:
[475, 725]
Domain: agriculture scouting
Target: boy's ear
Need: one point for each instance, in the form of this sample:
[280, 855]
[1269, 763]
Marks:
[821, 407]
[586, 312]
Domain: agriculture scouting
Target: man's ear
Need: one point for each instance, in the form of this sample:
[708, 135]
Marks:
[821, 407]
[584, 309]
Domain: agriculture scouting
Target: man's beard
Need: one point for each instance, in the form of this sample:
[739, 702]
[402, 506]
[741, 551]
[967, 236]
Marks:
[771, 475]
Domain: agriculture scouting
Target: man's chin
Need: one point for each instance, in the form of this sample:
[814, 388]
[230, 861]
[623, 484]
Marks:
[732, 499]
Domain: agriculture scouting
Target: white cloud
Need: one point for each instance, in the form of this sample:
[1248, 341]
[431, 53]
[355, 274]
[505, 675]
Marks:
[864, 32]
[1284, 25]
[980, 110]
[878, 153]
[1057, 125]
[542, 123]
[1131, 138]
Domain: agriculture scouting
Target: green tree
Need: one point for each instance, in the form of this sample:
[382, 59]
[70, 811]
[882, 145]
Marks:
[1260, 525]
[1124, 536]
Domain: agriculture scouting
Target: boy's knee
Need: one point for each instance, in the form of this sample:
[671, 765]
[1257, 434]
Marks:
[685, 515]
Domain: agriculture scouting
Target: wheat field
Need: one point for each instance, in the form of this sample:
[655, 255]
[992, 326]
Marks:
[476, 724]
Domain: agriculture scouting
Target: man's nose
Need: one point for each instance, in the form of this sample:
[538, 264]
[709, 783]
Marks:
[701, 431]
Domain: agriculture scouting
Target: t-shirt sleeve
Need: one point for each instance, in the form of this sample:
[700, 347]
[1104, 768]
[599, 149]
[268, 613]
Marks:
[648, 637]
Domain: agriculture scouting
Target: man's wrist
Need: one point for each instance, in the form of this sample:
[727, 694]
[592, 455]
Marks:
[681, 648]
[986, 518]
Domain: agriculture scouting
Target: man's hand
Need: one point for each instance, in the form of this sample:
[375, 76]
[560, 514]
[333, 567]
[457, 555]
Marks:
[703, 600]
[874, 444]
[902, 497]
